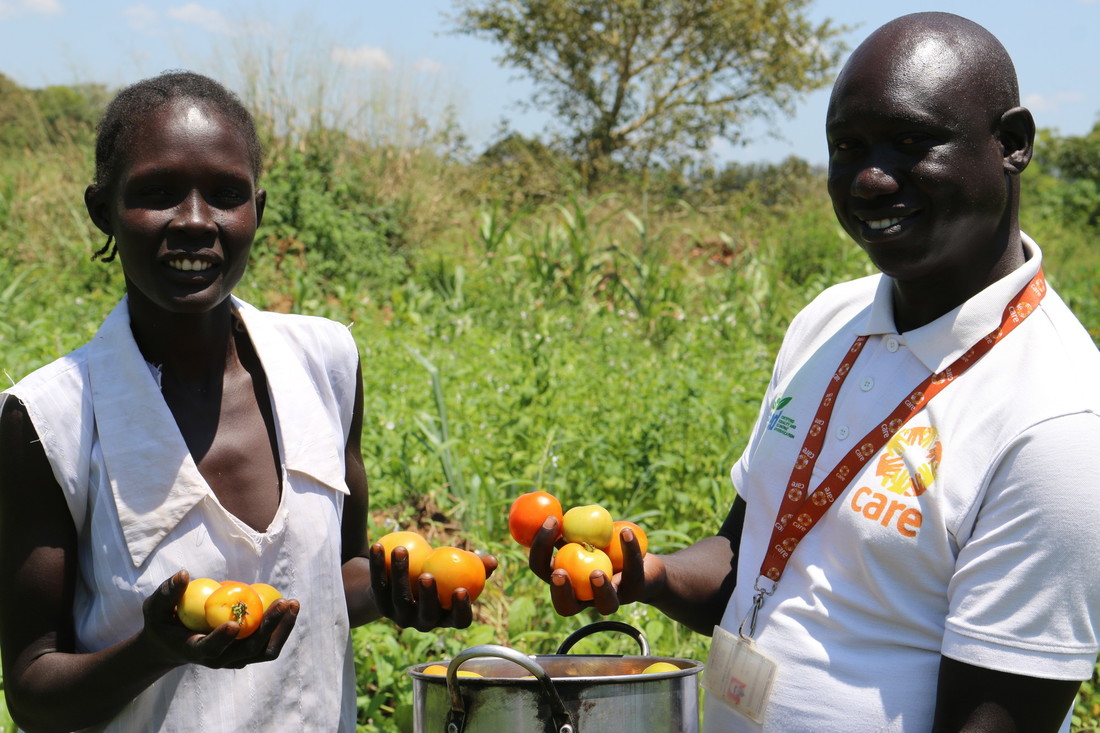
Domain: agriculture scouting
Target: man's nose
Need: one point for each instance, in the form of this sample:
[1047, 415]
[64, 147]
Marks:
[873, 180]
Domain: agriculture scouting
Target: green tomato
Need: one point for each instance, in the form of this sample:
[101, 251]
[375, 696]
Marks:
[590, 524]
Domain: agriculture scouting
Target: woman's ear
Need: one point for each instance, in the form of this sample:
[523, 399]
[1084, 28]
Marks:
[261, 202]
[96, 201]
[1016, 131]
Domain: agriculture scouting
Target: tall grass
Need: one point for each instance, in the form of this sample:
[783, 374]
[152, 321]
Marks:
[609, 347]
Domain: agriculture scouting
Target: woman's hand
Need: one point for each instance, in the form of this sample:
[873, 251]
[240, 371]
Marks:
[639, 579]
[219, 649]
[394, 598]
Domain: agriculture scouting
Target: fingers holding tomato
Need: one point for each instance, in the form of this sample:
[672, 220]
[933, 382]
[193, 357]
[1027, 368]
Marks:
[435, 593]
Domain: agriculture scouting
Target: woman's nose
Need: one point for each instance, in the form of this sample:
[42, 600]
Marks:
[193, 216]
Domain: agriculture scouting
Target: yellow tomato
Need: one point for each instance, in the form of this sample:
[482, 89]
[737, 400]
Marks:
[658, 667]
[192, 607]
[268, 594]
[439, 669]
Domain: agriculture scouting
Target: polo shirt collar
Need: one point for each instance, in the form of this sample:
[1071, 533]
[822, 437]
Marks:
[154, 479]
[941, 342]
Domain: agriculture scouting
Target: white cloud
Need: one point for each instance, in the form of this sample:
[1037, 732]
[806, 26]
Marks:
[13, 8]
[211, 20]
[140, 17]
[364, 57]
[427, 66]
[1048, 102]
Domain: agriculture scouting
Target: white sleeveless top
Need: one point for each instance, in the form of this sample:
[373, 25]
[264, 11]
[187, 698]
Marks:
[143, 511]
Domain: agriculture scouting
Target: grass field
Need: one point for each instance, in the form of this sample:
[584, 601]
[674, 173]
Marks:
[607, 348]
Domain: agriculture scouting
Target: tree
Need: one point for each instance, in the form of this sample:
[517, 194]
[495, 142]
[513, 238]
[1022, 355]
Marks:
[645, 79]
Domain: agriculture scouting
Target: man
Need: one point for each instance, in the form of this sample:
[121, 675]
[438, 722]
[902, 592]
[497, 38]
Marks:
[915, 549]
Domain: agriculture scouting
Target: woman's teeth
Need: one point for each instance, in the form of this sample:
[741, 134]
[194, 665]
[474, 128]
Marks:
[189, 265]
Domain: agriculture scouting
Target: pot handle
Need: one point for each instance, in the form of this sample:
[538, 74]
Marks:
[456, 719]
[605, 626]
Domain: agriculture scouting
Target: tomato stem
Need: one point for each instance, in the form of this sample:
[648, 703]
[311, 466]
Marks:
[239, 611]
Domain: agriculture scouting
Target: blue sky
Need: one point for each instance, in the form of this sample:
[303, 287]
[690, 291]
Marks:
[402, 50]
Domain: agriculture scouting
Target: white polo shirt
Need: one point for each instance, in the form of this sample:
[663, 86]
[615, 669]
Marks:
[974, 533]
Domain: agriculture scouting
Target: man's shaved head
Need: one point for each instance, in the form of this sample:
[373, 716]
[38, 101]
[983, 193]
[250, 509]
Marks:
[928, 48]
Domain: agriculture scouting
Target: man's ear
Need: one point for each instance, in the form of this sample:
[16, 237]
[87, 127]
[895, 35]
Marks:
[1016, 131]
[95, 200]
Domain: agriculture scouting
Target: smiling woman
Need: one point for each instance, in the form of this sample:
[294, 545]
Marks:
[195, 432]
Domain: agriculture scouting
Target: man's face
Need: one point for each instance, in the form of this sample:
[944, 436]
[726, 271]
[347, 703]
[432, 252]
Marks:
[916, 169]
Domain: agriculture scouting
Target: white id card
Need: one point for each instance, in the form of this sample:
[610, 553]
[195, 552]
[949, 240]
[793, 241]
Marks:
[738, 675]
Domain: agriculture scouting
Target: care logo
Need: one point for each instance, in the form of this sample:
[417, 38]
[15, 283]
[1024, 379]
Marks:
[908, 464]
[906, 467]
[778, 422]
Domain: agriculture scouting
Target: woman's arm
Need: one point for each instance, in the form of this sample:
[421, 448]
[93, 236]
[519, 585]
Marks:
[369, 592]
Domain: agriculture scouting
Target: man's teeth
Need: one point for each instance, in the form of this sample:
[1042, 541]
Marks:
[189, 265]
[878, 224]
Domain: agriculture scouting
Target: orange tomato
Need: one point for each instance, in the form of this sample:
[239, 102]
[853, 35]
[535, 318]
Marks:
[439, 669]
[191, 609]
[528, 512]
[417, 547]
[452, 569]
[268, 594]
[614, 549]
[579, 562]
[234, 601]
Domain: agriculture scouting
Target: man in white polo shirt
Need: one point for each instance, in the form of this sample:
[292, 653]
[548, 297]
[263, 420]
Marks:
[915, 538]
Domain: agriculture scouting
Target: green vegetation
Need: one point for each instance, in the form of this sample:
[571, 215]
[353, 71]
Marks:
[609, 346]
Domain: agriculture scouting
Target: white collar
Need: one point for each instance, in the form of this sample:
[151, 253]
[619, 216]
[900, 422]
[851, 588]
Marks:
[154, 479]
[941, 342]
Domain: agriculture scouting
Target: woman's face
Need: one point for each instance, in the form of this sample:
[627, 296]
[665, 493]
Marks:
[183, 208]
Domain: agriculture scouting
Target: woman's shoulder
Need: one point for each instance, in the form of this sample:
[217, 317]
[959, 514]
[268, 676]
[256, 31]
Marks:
[314, 336]
[67, 374]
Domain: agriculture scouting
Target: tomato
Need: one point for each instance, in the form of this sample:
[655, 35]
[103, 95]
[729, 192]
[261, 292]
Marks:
[268, 594]
[234, 601]
[658, 667]
[192, 607]
[590, 524]
[452, 569]
[614, 548]
[439, 669]
[528, 512]
[579, 561]
[417, 547]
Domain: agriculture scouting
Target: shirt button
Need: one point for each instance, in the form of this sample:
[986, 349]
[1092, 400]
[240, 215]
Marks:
[842, 432]
[867, 384]
[892, 344]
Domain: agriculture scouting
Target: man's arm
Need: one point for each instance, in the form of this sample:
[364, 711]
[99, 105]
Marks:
[973, 699]
[691, 586]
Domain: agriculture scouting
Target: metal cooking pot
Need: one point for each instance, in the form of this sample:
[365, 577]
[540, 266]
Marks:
[557, 693]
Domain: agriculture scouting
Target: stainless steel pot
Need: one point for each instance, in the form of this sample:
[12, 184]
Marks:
[557, 693]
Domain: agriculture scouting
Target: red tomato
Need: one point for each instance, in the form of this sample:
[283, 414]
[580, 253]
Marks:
[614, 549]
[234, 601]
[192, 607]
[417, 547]
[590, 524]
[452, 569]
[527, 514]
[579, 561]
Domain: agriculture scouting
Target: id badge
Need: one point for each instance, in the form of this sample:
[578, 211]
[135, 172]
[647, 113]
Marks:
[738, 674]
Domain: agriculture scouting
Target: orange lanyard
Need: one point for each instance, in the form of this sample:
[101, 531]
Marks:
[799, 510]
